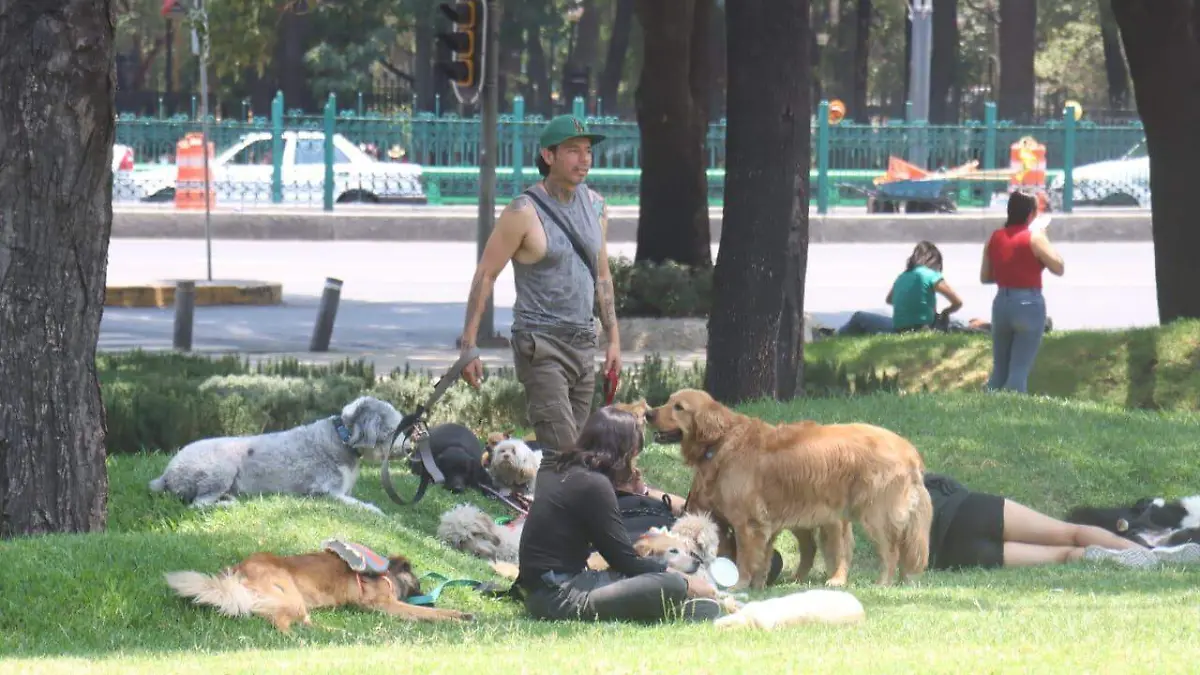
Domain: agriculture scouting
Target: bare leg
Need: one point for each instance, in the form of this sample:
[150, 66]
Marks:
[1024, 525]
[1017, 554]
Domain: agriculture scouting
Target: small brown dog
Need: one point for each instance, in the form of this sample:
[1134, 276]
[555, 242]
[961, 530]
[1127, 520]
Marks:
[284, 589]
[763, 478]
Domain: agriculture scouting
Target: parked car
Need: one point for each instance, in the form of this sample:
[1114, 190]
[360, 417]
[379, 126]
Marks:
[243, 172]
[1115, 182]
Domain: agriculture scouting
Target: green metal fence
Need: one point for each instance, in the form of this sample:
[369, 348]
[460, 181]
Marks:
[846, 157]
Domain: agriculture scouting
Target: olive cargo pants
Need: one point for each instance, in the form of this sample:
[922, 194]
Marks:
[558, 373]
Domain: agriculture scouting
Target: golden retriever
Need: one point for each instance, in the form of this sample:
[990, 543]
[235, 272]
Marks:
[763, 478]
[284, 588]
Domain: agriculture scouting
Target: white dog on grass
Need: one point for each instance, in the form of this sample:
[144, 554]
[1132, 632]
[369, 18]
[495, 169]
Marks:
[320, 458]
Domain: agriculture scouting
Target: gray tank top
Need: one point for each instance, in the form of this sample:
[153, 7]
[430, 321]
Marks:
[557, 293]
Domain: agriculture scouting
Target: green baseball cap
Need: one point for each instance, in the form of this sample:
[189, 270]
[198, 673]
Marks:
[563, 127]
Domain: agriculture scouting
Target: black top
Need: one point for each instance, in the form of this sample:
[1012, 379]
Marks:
[947, 496]
[575, 512]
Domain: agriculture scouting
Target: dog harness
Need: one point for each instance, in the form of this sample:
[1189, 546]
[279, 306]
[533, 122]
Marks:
[360, 560]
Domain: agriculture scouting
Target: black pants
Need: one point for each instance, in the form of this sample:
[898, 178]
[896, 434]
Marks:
[608, 596]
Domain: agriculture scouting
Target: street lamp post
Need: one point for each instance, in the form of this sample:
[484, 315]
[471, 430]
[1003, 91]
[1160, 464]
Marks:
[921, 13]
[197, 15]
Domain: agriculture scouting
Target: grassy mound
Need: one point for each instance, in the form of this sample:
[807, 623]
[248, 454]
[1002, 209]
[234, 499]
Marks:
[1151, 368]
[98, 603]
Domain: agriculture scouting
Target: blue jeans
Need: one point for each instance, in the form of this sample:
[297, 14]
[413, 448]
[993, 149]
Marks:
[1018, 323]
[867, 323]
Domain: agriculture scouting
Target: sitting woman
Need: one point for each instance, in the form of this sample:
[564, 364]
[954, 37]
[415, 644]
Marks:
[913, 297]
[974, 529]
[575, 512]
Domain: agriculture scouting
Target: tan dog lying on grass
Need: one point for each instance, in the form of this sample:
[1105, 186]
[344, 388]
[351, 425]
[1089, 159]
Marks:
[764, 478]
[284, 589]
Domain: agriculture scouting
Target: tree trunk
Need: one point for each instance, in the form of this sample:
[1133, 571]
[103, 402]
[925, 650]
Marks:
[1114, 61]
[754, 346]
[673, 214]
[943, 70]
[583, 55]
[862, 62]
[1162, 45]
[423, 72]
[614, 62]
[1018, 39]
[716, 65]
[57, 120]
[538, 103]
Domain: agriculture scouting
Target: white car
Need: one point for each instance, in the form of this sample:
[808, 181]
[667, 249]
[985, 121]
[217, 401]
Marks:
[1115, 182]
[243, 172]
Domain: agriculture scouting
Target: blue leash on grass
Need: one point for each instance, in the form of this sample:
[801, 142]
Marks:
[429, 599]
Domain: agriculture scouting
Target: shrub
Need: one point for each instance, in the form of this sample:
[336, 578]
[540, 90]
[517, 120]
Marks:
[666, 290]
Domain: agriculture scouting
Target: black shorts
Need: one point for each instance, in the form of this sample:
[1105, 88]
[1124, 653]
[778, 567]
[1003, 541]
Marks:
[975, 537]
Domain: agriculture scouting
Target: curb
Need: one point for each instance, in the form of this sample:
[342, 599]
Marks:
[208, 294]
[401, 224]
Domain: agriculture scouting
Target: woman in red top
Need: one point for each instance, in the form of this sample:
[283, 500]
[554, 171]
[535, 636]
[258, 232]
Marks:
[1013, 259]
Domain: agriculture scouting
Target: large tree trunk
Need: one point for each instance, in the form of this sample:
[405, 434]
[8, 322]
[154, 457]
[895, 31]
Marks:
[614, 62]
[1018, 37]
[943, 69]
[538, 102]
[671, 104]
[1114, 61]
[754, 346]
[716, 65]
[1162, 43]
[862, 62]
[57, 130]
[582, 58]
[423, 72]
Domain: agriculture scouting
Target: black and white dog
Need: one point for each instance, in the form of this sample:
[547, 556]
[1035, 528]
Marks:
[1149, 521]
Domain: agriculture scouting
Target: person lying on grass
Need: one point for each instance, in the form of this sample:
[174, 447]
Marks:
[975, 529]
[575, 512]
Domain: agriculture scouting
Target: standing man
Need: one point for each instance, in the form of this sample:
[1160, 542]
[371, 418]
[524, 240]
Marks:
[556, 235]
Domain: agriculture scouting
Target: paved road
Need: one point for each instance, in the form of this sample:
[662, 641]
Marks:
[406, 299]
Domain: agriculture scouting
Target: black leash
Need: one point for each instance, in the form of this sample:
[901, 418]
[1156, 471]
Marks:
[413, 427]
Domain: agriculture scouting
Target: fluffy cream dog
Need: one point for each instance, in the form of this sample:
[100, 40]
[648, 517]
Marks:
[513, 466]
[816, 606]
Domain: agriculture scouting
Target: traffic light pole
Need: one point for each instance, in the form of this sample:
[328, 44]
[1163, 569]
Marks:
[487, 335]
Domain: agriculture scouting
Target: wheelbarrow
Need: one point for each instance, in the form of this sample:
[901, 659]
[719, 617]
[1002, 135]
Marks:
[918, 196]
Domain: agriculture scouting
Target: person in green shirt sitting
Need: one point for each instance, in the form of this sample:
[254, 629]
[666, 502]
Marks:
[913, 297]
[914, 293]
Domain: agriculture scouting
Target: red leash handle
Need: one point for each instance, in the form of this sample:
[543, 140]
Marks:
[611, 379]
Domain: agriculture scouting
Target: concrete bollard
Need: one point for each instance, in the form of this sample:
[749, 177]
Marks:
[185, 308]
[326, 313]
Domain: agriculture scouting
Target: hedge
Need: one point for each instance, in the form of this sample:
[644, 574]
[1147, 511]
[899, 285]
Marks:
[162, 401]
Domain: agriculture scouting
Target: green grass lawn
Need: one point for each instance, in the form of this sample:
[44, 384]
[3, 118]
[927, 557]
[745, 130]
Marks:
[1152, 368]
[97, 603]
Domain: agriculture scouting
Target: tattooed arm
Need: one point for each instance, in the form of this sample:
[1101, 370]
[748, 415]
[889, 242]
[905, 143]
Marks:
[606, 301]
[502, 245]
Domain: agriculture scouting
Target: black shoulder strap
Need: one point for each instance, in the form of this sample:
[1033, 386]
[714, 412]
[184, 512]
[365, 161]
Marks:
[591, 265]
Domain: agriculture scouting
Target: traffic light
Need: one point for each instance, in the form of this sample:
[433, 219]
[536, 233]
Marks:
[465, 42]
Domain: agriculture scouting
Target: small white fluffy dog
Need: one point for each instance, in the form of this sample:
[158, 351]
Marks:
[815, 606]
[320, 458]
[513, 466]
[467, 528]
